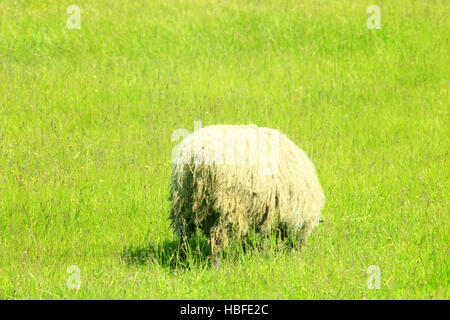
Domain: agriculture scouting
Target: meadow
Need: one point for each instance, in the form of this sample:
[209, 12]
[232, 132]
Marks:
[86, 123]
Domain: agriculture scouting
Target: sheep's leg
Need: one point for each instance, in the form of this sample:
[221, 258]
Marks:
[185, 234]
[182, 246]
[219, 238]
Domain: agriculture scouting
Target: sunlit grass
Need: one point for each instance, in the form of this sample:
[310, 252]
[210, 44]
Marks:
[86, 118]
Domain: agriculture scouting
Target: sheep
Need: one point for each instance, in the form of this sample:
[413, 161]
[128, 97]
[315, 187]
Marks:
[230, 179]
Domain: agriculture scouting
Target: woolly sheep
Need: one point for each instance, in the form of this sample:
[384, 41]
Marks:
[228, 179]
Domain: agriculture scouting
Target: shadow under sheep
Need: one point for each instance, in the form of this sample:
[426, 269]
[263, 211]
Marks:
[168, 254]
[197, 251]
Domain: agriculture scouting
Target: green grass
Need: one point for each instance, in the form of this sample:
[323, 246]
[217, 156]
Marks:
[86, 118]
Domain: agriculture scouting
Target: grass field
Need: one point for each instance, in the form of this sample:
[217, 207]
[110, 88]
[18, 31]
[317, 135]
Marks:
[86, 118]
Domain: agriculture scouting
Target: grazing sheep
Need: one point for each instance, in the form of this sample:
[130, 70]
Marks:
[228, 180]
